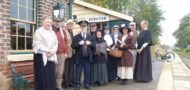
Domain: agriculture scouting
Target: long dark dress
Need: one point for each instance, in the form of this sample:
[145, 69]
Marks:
[99, 65]
[143, 66]
[44, 76]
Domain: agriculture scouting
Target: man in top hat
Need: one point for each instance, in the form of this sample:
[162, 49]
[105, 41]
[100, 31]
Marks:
[61, 51]
[83, 43]
[69, 62]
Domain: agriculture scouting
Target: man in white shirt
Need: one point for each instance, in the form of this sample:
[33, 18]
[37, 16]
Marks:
[107, 37]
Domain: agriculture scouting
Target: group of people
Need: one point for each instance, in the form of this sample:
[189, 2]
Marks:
[62, 55]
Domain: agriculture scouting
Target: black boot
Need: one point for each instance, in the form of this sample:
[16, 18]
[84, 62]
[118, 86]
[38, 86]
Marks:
[124, 82]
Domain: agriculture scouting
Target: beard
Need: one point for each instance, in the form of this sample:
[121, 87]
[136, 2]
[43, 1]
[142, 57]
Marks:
[84, 29]
[107, 32]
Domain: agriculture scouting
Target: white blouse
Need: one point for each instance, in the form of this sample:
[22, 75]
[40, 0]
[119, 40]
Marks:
[108, 39]
[115, 38]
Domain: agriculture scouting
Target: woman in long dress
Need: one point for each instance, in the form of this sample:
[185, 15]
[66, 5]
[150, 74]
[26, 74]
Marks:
[125, 64]
[99, 74]
[45, 46]
[143, 66]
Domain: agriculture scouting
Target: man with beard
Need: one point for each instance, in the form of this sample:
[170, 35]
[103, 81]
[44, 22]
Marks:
[69, 62]
[83, 43]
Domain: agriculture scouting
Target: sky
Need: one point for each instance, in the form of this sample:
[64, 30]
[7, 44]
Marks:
[174, 10]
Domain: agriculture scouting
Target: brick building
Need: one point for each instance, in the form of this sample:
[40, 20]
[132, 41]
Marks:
[20, 18]
[18, 21]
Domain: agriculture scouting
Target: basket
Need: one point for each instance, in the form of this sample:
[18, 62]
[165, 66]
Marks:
[115, 53]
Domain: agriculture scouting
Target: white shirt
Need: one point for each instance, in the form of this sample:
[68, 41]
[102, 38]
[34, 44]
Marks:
[108, 39]
[115, 38]
[45, 40]
[83, 34]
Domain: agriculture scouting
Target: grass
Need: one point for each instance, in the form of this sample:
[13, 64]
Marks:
[184, 54]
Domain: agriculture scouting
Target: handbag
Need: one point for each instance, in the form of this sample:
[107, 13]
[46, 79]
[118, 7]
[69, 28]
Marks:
[115, 52]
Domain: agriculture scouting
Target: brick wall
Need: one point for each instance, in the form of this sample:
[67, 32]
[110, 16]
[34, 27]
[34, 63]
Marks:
[4, 39]
[4, 30]
[45, 8]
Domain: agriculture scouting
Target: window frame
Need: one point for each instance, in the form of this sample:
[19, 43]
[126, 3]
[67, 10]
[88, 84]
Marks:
[27, 21]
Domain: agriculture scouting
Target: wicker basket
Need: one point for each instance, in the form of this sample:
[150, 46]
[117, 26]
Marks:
[115, 53]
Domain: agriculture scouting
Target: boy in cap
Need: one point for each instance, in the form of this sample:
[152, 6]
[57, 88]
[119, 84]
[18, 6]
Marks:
[83, 43]
[134, 34]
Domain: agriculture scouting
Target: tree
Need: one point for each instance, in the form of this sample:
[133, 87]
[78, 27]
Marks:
[182, 34]
[139, 9]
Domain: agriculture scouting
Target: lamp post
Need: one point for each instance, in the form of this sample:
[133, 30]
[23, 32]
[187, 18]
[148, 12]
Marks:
[59, 11]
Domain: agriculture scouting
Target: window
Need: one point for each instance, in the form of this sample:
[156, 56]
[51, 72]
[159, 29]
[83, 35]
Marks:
[21, 35]
[22, 13]
[101, 25]
[22, 10]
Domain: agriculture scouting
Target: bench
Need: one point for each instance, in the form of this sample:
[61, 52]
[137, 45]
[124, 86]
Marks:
[19, 83]
[25, 68]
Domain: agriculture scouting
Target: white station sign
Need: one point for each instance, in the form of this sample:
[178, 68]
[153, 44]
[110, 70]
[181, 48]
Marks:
[98, 19]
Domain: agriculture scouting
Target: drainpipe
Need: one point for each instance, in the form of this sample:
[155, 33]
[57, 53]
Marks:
[70, 9]
[36, 26]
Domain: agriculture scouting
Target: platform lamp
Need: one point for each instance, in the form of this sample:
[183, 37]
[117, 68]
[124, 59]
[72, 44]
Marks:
[59, 11]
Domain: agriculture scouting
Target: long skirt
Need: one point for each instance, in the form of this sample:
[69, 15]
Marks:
[125, 72]
[143, 66]
[44, 75]
[112, 67]
[99, 72]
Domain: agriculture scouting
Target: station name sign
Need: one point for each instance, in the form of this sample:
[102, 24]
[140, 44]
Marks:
[98, 19]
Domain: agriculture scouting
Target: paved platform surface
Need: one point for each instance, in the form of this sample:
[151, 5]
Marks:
[166, 76]
[175, 76]
[157, 69]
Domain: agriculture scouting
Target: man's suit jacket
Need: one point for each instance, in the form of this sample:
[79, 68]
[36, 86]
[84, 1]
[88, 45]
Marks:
[79, 48]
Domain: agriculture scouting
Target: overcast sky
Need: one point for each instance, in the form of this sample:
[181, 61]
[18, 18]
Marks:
[174, 11]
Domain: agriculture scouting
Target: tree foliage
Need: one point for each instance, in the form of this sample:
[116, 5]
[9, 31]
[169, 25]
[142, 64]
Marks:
[182, 34]
[139, 9]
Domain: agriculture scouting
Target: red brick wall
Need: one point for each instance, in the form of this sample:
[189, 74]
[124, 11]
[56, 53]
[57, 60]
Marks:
[4, 30]
[4, 39]
[45, 8]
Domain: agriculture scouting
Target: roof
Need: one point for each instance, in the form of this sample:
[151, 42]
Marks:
[104, 10]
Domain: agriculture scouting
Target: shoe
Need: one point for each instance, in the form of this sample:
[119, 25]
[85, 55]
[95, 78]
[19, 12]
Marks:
[124, 82]
[87, 87]
[104, 83]
[94, 84]
[77, 88]
[66, 86]
[59, 89]
[71, 85]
